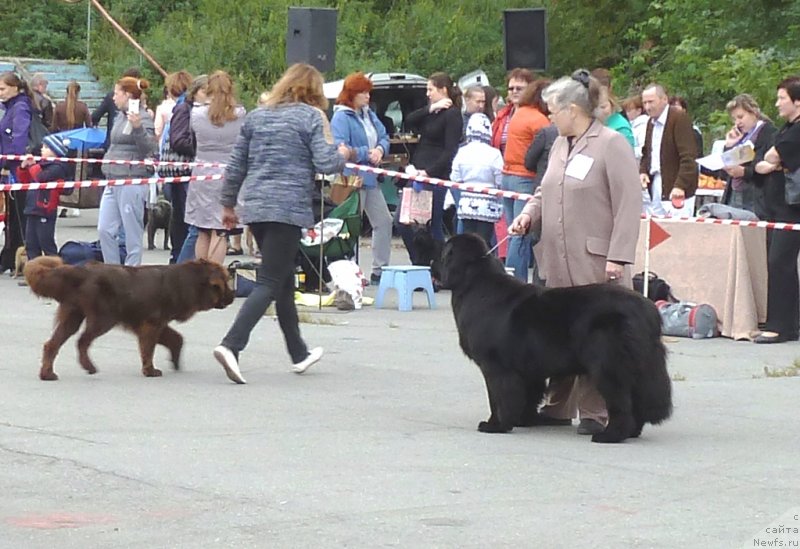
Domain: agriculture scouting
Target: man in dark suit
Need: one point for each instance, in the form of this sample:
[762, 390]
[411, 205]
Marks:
[667, 169]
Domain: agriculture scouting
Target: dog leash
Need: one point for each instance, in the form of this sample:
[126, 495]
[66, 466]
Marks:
[498, 245]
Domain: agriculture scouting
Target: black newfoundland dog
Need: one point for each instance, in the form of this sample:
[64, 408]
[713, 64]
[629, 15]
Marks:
[520, 335]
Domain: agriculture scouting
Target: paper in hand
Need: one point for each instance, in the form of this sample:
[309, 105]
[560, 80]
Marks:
[742, 154]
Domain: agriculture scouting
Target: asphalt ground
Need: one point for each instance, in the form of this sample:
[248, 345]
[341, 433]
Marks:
[375, 446]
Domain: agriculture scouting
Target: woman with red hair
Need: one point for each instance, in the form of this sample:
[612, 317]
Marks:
[132, 137]
[358, 127]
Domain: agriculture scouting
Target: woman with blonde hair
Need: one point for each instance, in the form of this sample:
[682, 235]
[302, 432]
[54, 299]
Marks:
[132, 137]
[280, 148]
[215, 124]
[71, 113]
[608, 112]
[746, 188]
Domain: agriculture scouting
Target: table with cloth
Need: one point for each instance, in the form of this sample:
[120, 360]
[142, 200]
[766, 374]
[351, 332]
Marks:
[722, 265]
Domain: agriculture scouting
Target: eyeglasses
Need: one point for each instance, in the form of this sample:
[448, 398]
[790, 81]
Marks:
[516, 88]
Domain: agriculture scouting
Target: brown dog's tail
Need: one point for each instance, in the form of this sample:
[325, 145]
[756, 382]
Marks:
[45, 276]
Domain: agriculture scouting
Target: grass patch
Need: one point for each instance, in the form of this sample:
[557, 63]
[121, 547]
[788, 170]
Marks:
[308, 318]
[791, 371]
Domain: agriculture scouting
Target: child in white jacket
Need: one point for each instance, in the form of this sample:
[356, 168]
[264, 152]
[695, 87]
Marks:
[478, 163]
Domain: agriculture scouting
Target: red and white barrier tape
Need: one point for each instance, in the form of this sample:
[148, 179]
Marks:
[155, 163]
[442, 182]
[104, 182]
[780, 226]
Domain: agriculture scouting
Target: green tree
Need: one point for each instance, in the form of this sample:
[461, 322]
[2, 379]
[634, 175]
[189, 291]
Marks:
[705, 50]
[43, 28]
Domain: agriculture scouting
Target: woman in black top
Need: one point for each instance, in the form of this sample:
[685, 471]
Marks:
[783, 298]
[439, 125]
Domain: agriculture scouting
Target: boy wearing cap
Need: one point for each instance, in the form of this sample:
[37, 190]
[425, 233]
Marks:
[41, 206]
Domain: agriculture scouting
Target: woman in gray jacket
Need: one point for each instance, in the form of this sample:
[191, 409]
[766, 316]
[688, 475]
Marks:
[271, 172]
[133, 137]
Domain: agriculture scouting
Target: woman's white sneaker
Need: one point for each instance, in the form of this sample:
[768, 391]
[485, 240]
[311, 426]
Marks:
[229, 362]
[313, 357]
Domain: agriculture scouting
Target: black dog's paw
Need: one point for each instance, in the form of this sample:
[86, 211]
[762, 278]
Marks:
[637, 430]
[608, 437]
[486, 427]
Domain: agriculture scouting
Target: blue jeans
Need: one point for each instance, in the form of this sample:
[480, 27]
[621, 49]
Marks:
[40, 235]
[187, 250]
[520, 248]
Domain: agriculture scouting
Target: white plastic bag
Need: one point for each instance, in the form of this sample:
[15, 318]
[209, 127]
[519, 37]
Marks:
[346, 275]
[326, 229]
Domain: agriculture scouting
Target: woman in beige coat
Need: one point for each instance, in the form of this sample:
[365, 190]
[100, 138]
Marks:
[589, 206]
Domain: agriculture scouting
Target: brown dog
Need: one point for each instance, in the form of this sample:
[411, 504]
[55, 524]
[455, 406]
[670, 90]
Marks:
[143, 300]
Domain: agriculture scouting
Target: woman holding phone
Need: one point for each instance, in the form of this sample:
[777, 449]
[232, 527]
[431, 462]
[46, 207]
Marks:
[133, 137]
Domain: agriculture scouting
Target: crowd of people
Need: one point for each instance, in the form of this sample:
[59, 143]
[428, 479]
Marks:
[593, 163]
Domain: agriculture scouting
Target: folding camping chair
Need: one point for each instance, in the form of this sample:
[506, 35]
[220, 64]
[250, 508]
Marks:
[342, 246]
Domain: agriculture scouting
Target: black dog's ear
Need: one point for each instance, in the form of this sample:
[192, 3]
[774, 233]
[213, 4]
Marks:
[457, 255]
[460, 256]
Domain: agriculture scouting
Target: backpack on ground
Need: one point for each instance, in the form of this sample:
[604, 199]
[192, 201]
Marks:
[685, 319]
[75, 252]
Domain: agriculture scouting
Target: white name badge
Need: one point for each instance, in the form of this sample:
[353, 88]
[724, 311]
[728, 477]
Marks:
[579, 166]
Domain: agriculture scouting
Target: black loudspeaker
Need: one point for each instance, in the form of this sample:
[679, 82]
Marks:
[525, 34]
[311, 37]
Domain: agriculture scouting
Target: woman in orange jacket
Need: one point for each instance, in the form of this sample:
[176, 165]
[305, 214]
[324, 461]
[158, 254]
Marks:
[529, 116]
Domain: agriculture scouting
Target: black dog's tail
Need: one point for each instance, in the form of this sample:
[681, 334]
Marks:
[46, 276]
[654, 395]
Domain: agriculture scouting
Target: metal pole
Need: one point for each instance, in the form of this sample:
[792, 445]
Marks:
[128, 37]
[88, 30]
[321, 238]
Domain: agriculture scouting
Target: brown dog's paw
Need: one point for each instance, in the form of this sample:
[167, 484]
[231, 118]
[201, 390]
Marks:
[151, 372]
[48, 376]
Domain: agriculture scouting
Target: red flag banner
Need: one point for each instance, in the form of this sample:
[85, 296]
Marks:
[657, 234]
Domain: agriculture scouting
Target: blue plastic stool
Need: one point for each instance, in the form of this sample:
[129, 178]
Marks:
[405, 279]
